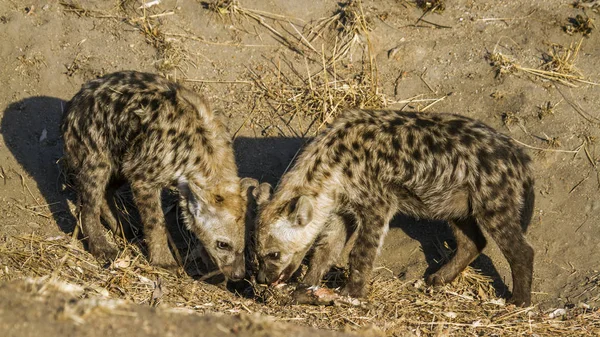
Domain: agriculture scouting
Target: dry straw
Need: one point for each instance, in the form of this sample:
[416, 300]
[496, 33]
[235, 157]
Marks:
[558, 66]
[399, 308]
[329, 80]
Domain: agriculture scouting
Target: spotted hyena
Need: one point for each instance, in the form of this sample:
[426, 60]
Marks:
[368, 166]
[153, 133]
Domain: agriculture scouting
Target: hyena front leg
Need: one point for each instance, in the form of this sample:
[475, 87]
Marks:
[469, 243]
[92, 181]
[370, 233]
[327, 251]
[147, 199]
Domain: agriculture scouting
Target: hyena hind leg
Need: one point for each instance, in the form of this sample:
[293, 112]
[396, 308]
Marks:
[147, 200]
[506, 230]
[469, 244]
[327, 251]
[92, 182]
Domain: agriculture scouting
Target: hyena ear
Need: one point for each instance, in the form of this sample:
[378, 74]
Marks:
[199, 103]
[193, 203]
[262, 193]
[247, 184]
[302, 212]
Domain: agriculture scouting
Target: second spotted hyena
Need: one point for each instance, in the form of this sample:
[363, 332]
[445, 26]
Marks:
[368, 166]
[153, 133]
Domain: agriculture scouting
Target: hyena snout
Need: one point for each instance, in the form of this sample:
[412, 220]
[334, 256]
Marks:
[262, 278]
[236, 270]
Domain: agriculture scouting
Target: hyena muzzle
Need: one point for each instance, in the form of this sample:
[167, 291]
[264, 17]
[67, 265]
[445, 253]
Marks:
[368, 166]
[143, 129]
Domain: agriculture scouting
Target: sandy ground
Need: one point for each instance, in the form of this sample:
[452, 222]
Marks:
[443, 62]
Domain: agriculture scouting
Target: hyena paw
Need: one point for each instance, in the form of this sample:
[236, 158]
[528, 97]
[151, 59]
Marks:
[353, 290]
[164, 260]
[103, 251]
[435, 280]
[520, 301]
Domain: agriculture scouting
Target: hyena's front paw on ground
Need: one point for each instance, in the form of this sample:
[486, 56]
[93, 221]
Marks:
[436, 279]
[521, 300]
[103, 250]
[354, 290]
[161, 257]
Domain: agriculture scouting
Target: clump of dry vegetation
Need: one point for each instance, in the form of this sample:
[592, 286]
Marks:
[30, 62]
[546, 109]
[558, 65]
[321, 95]
[331, 79]
[579, 24]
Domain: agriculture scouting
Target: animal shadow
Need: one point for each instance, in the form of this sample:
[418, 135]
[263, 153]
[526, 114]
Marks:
[31, 131]
[432, 235]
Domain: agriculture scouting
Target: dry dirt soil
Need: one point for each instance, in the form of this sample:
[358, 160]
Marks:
[252, 60]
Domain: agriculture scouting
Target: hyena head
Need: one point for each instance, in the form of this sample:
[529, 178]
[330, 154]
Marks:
[216, 215]
[284, 235]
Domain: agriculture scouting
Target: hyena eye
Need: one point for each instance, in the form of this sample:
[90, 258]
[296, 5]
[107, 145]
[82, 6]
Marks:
[273, 256]
[223, 245]
[219, 198]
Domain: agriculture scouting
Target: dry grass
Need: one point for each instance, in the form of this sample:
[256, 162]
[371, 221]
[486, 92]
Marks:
[286, 93]
[579, 24]
[559, 65]
[329, 81]
[547, 109]
[468, 306]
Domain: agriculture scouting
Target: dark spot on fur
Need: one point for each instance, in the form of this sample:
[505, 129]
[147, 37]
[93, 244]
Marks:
[485, 161]
[348, 172]
[467, 140]
[424, 123]
[154, 104]
[409, 169]
[510, 192]
[342, 148]
[331, 141]
[368, 135]
[429, 141]
[310, 175]
[416, 155]
[398, 121]
[410, 140]
[454, 127]
[396, 143]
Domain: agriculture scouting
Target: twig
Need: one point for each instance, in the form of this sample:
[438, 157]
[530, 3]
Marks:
[218, 81]
[434, 102]
[508, 19]
[548, 150]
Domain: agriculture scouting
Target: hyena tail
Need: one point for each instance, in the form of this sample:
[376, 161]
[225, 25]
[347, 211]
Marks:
[528, 204]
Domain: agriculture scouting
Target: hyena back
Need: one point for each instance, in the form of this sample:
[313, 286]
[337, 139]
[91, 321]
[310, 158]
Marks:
[153, 133]
[369, 165]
